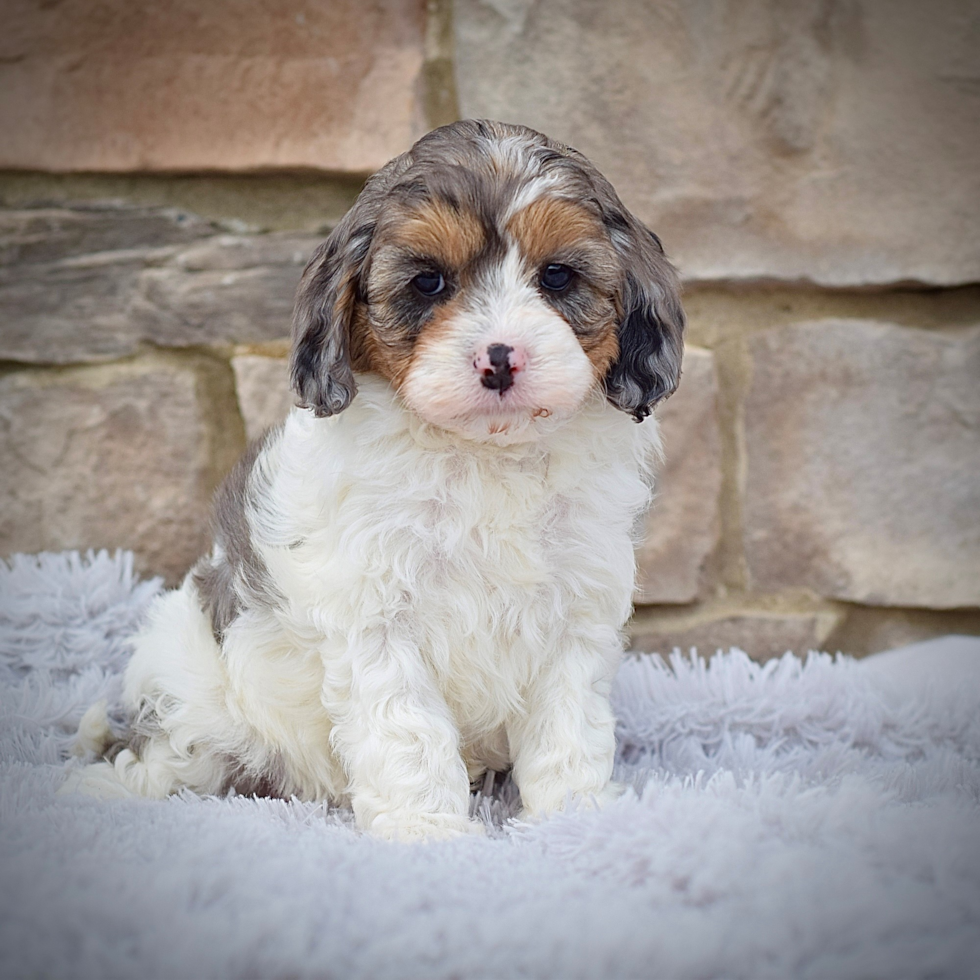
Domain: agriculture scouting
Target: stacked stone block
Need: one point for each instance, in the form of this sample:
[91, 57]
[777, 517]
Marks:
[811, 168]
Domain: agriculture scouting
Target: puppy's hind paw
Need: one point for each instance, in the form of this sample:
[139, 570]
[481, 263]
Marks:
[100, 780]
[415, 827]
[94, 734]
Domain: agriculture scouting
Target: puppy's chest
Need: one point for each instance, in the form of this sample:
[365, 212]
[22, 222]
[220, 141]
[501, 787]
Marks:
[488, 584]
[499, 530]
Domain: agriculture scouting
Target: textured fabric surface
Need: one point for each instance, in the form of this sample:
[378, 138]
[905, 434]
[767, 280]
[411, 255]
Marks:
[797, 819]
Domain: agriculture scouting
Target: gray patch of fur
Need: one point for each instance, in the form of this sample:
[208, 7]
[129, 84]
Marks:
[234, 575]
[144, 728]
[271, 781]
[111, 751]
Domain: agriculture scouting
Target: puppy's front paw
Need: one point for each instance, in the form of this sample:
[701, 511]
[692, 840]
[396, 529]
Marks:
[407, 827]
[612, 791]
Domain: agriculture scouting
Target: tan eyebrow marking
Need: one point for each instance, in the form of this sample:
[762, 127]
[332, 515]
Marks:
[440, 232]
[550, 224]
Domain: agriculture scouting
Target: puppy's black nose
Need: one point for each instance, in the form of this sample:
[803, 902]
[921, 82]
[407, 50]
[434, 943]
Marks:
[498, 374]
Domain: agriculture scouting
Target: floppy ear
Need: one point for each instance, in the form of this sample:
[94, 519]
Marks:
[651, 332]
[320, 361]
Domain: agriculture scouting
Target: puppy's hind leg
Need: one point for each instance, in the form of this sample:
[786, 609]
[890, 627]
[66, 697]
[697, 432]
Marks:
[95, 737]
[127, 775]
[152, 769]
[175, 692]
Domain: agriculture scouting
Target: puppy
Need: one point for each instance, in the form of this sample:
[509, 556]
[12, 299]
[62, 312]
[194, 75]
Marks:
[424, 572]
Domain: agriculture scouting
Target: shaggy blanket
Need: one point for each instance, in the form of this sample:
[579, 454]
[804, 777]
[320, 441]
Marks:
[793, 819]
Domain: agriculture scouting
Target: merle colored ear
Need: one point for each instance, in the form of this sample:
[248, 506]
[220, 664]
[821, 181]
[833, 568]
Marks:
[320, 362]
[651, 333]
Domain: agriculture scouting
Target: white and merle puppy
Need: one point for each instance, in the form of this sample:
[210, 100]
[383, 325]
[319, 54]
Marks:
[424, 572]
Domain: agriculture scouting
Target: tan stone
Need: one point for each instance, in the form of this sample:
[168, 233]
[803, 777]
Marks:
[264, 397]
[90, 284]
[107, 457]
[761, 635]
[682, 529]
[774, 139]
[227, 84]
[863, 463]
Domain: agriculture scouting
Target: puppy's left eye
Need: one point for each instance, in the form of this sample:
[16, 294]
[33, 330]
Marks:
[556, 277]
[429, 283]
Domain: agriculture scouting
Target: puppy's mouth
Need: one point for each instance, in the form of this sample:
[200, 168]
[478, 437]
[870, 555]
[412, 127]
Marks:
[516, 403]
[525, 409]
[511, 390]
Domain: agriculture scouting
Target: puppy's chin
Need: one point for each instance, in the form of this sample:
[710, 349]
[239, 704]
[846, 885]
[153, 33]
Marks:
[501, 429]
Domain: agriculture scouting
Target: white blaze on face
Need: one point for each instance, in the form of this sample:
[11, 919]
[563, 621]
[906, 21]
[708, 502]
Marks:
[444, 384]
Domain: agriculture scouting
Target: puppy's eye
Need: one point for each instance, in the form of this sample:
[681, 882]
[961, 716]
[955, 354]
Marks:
[556, 277]
[429, 283]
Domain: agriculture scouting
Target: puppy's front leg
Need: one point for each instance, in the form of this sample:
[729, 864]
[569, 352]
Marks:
[565, 741]
[397, 739]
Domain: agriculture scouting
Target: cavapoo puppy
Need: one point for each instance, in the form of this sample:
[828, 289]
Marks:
[424, 572]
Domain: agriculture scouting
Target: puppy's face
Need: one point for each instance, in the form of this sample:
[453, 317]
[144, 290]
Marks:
[494, 278]
[495, 326]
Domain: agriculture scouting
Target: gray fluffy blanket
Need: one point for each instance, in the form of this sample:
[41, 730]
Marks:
[797, 819]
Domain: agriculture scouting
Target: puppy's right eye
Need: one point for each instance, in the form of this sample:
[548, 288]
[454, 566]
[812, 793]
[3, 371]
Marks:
[429, 283]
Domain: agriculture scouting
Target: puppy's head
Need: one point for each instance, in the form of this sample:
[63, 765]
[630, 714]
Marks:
[495, 279]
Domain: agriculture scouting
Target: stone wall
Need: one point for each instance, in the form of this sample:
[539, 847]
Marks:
[810, 165]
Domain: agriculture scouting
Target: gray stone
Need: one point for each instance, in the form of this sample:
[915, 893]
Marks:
[230, 290]
[29, 236]
[264, 398]
[863, 463]
[72, 310]
[233, 253]
[683, 527]
[762, 139]
[761, 635]
[107, 457]
[94, 284]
